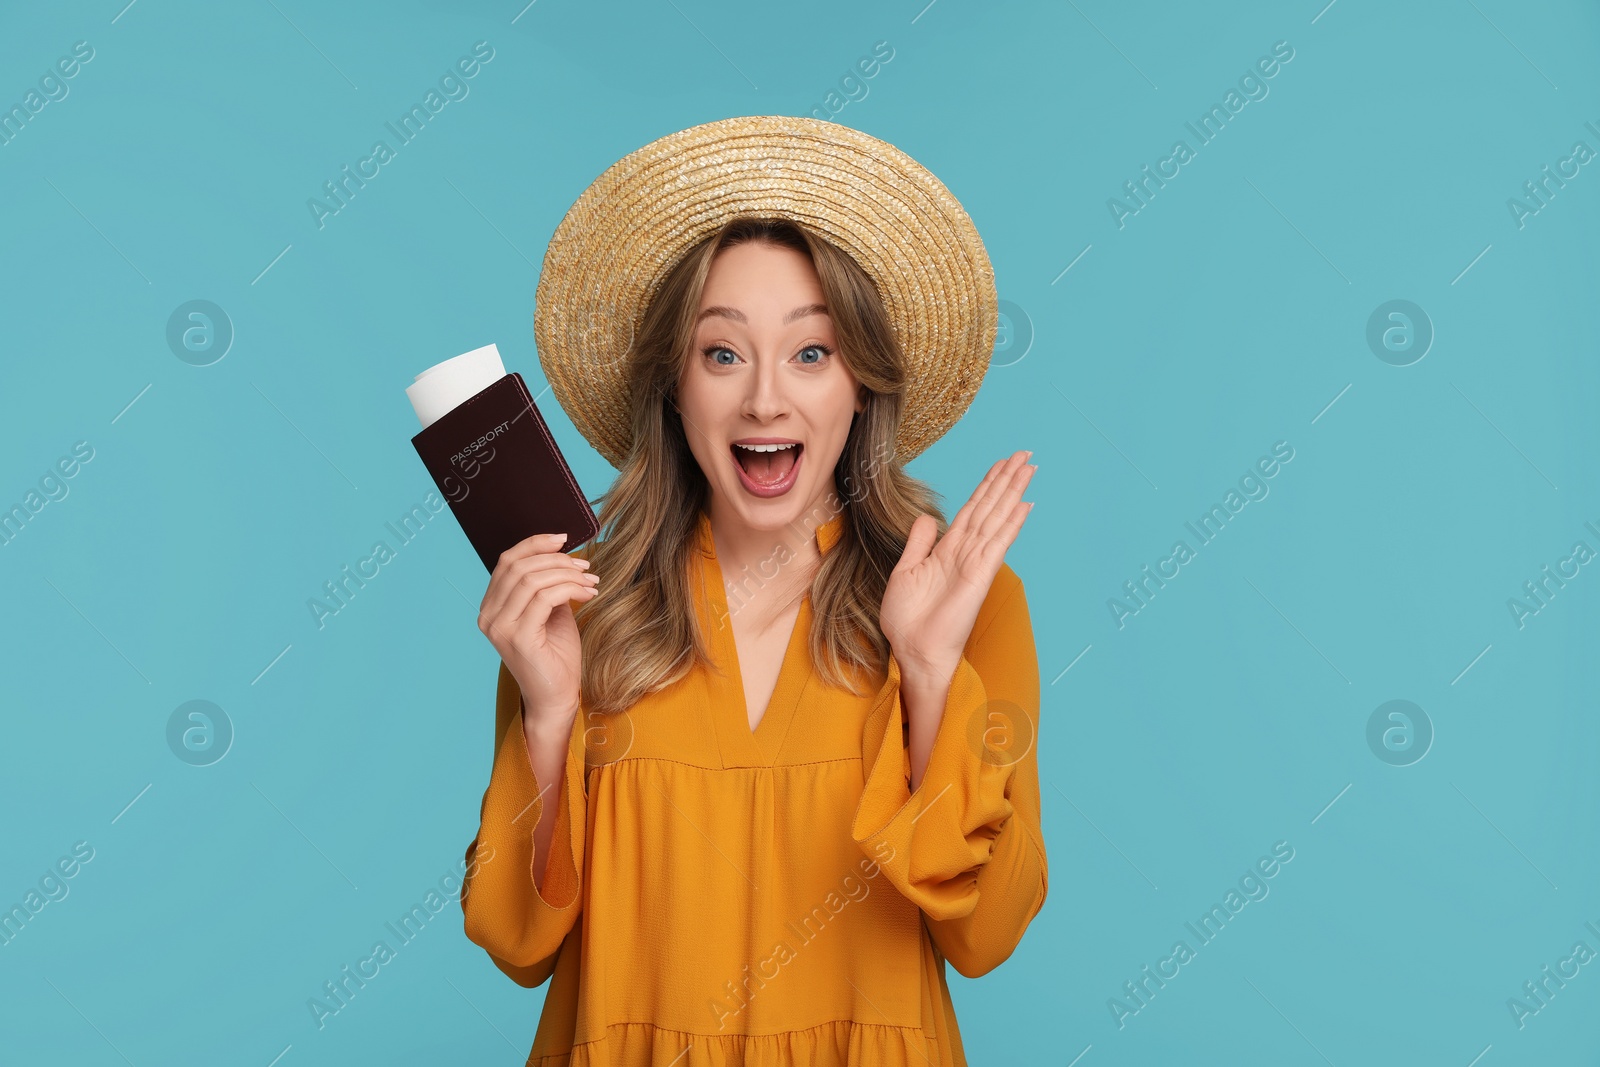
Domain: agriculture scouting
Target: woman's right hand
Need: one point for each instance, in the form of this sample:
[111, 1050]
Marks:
[527, 616]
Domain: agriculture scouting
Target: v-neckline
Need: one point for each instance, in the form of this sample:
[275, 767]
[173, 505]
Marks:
[742, 745]
[797, 633]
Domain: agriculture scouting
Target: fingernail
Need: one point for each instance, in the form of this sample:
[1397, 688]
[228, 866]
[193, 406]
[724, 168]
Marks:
[1029, 456]
[561, 536]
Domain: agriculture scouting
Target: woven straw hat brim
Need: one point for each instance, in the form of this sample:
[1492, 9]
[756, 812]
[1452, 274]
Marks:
[627, 230]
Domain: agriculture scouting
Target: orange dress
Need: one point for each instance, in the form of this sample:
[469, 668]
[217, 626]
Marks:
[716, 896]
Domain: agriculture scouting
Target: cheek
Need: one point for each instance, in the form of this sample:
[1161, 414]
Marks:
[831, 420]
[700, 410]
[842, 406]
[699, 386]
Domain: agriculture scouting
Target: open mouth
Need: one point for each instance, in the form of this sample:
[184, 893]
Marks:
[767, 470]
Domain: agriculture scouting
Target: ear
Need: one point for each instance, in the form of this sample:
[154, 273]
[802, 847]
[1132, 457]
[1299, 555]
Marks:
[861, 399]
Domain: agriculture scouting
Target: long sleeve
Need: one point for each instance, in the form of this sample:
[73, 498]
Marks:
[522, 927]
[967, 848]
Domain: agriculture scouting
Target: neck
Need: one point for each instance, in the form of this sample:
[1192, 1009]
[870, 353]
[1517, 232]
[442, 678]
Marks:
[766, 567]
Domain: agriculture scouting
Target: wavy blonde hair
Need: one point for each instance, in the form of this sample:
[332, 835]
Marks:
[641, 633]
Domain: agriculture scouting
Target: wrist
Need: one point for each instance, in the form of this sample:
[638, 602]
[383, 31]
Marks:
[545, 725]
[918, 674]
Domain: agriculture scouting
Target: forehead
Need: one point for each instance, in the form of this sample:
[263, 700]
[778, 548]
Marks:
[761, 279]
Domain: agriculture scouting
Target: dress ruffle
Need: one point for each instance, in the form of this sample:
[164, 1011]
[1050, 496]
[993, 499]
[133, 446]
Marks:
[833, 1042]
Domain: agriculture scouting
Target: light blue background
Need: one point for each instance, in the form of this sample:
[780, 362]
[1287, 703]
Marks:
[1227, 315]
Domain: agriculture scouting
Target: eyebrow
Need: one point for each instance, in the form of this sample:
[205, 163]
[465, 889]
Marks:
[738, 316]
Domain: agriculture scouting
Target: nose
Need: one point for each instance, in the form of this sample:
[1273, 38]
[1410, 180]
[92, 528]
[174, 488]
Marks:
[765, 396]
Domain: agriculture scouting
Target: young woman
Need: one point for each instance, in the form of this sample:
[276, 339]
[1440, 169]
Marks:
[764, 753]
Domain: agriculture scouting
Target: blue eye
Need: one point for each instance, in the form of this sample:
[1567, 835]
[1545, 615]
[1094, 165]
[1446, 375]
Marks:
[711, 352]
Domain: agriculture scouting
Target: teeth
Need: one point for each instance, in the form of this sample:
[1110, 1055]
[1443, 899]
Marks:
[764, 448]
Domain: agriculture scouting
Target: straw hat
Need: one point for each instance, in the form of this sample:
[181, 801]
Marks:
[621, 237]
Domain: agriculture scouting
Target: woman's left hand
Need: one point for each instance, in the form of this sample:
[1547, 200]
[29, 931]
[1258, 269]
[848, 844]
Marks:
[933, 595]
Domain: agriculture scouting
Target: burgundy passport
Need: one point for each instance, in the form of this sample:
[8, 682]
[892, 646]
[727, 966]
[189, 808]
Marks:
[494, 460]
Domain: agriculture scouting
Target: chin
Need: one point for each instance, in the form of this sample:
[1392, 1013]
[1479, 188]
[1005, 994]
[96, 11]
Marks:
[769, 515]
[774, 514]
